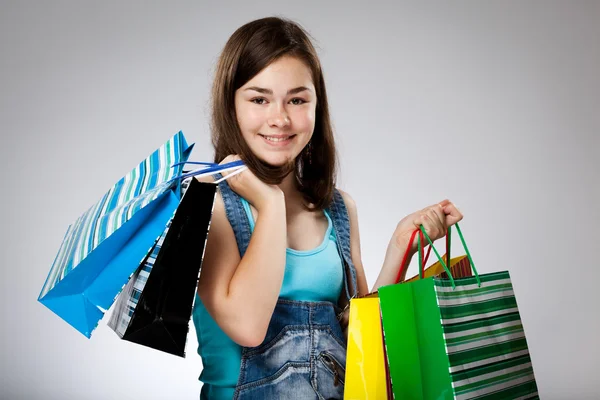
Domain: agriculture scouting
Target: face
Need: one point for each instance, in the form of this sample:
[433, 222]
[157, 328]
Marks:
[276, 110]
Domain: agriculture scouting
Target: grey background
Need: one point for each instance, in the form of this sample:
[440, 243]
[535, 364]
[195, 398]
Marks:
[494, 105]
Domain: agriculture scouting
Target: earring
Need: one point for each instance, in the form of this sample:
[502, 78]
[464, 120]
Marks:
[309, 152]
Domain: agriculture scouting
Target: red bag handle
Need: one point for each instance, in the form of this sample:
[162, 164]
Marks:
[403, 265]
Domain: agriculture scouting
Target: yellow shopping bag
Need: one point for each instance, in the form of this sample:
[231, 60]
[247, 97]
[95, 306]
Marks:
[366, 376]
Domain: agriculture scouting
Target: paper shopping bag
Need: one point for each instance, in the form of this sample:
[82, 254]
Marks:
[367, 374]
[155, 307]
[456, 338]
[105, 245]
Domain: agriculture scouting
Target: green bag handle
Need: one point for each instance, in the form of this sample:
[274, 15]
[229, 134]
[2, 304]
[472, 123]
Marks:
[462, 239]
[448, 257]
[423, 262]
[420, 251]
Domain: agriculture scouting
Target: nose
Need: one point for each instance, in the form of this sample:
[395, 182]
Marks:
[279, 119]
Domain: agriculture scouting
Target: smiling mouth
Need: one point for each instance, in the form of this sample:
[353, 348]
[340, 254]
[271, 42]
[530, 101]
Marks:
[277, 139]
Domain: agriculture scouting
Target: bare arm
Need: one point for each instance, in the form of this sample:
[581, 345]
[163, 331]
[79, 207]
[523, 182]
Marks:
[435, 219]
[395, 251]
[241, 294]
[389, 270]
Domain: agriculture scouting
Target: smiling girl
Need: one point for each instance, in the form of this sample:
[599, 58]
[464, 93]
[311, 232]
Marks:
[283, 256]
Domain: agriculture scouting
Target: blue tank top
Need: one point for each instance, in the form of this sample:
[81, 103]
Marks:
[310, 275]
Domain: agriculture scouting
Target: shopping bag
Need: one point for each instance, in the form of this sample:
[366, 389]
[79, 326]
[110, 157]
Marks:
[155, 307]
[365, 363]
[456, 338]
[104, 246]
[367, 375]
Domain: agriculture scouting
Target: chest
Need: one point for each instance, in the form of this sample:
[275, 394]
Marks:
[305, 230]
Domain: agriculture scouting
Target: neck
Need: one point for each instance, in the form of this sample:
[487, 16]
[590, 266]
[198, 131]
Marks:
[293, 197]
[288, 186]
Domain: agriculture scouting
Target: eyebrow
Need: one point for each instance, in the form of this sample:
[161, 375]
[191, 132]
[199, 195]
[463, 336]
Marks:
[269, 91]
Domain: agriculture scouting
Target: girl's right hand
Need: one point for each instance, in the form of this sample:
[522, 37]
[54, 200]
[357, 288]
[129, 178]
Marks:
[247, 185]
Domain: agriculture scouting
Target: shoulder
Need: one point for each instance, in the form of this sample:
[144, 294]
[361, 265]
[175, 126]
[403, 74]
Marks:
[349, 203]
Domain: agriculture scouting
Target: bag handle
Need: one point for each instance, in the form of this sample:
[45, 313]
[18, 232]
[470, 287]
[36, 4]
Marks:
[209, 164]
[238, 165]
[448, 247]
[420, 251]
[422, 233]
[462, 239]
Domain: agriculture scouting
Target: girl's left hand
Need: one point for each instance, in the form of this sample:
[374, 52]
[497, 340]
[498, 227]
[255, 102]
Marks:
[435, 219]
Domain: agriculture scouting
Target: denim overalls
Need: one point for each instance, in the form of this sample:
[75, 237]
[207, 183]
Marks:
[303, 355]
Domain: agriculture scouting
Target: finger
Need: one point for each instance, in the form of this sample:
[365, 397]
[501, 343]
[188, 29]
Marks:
[437, 212]
[428, 225]
[436, 225]
[228, 159]
[445, 202]
[418, 221]
[453, 214]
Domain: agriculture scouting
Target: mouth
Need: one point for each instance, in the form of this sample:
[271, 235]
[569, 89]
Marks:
[279, 140]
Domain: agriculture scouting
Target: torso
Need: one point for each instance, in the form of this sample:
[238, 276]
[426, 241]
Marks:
[305, 229]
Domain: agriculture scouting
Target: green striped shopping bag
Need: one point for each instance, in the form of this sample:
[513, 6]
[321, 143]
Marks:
[456, 338]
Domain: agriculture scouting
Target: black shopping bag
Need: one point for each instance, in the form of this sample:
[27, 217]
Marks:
[155, 307]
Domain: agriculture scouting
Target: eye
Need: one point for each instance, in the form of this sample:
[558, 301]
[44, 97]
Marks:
[302, 101]
[258, 100]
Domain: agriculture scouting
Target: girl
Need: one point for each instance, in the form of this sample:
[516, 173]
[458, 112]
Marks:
[283, 256]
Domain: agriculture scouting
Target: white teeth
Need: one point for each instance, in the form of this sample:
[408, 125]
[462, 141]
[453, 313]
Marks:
[273, 139]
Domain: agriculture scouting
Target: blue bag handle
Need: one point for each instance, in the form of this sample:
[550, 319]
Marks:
[195, 162]
[214, 169]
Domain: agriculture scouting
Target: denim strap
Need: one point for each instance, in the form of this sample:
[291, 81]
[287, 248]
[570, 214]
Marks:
[234, 209]
[236, 215]
[341, 223]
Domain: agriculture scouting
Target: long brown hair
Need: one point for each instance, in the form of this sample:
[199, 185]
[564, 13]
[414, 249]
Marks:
[250, 49]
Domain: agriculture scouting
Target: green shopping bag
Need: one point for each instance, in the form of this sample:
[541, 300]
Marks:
[456, 338]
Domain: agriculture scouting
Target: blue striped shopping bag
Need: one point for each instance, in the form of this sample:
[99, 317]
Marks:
[105, 245]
